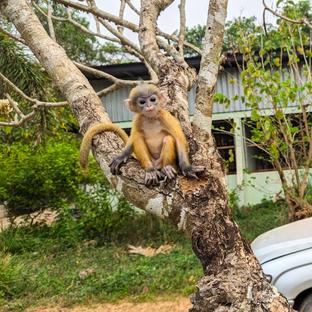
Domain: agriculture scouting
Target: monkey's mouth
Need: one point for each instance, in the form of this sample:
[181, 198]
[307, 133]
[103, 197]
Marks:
[151, 113]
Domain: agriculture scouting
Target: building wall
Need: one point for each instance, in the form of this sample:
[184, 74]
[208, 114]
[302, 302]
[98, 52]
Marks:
[229, 84]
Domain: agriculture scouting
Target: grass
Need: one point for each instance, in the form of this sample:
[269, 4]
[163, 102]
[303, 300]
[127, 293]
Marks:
[55, 270]
[39, 266]
[257, 219]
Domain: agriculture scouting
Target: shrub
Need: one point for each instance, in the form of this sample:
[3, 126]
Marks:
[98, 213]
[103, 215]
[33, 178]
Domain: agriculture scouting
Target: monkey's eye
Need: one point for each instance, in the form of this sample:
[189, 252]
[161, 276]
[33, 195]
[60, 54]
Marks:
[153, 98]
[142, 102]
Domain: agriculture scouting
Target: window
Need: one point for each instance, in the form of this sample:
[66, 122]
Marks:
[257, 159]
[224, 137]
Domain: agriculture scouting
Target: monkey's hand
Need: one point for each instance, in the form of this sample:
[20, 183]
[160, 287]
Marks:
[120, 159]
[190, 171]
[152, 176]
[117, 162]
[169, 172]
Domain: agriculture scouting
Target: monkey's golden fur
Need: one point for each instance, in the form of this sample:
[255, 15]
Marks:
[91, 132]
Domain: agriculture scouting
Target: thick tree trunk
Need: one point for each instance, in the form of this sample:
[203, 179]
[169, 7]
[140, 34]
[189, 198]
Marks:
[233, 279]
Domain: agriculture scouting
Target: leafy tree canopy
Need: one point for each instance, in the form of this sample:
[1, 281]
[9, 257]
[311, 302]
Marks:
[241, 30]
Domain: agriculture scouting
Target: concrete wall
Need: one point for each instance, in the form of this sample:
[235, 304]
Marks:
[255, 187]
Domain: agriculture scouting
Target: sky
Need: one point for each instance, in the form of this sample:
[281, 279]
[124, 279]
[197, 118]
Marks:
[196, 12]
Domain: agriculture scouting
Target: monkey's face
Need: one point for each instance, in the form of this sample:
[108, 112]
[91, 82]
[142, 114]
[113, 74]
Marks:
[148, 105]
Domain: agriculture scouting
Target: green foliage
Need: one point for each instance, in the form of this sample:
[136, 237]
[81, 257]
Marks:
[221, 99]
[308, 192]
[11, 276]
[78, 45]
[53, 257]
[22, 70]
[19, 66]
[296, 9]
[194, 35]
[233, 199]
[98, 214]
[110, 53]
[242, 30]
[38, 177]
[243, 35]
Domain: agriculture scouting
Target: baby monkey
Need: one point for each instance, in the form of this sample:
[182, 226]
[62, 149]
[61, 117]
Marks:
[156, 138]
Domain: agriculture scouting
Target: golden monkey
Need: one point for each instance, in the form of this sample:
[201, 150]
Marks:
[156, 138]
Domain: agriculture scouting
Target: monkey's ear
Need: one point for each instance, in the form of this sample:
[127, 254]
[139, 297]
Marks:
[164, 96]
[129, 104]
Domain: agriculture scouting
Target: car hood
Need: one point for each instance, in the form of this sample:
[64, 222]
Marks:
[283, 240]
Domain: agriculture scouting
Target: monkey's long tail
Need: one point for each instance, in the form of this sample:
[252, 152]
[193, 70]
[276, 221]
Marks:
[91, 132]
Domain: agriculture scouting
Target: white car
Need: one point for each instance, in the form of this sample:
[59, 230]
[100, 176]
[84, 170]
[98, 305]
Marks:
[285, 254]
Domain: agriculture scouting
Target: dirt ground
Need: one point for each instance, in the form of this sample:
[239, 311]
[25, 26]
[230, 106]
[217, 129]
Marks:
[178, 305]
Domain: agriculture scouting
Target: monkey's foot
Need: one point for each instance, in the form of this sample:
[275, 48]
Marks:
[192, 171]
[152, 177]
[116, 163]
[169, 172]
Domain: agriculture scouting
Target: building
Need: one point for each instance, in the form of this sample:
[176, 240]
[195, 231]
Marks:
[252, 178]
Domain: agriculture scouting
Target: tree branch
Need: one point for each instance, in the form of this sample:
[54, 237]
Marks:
[209, 68]
[16, 38]
[176, 39]
[37, 104]
[26, 97]
[172, 51]
[302, 21]
[199, 207]
[101, 74]
[125, 41]
[15, 106]
[29, 116]
[50, 22]
[100, 13]
[182, 27]
[121, 13]
[132, 7]
[82, 28]
[97, 23]
[109, 89]
[148, 42]
[121, 22]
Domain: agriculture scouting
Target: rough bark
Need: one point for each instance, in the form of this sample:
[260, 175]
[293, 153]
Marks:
[233, 279]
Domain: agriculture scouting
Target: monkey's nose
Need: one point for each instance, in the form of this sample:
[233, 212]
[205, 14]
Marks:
[149, 108]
